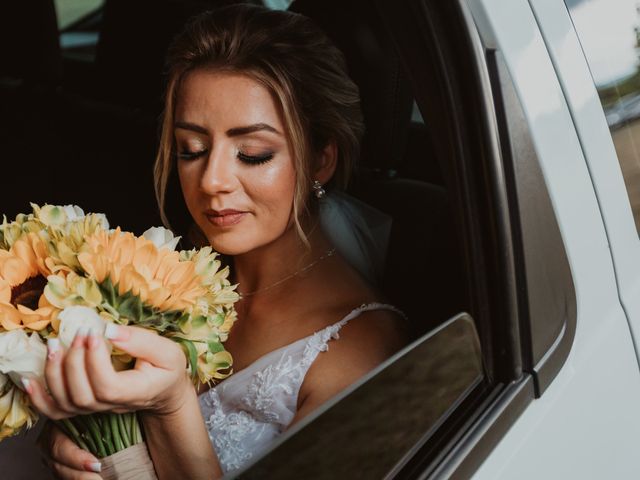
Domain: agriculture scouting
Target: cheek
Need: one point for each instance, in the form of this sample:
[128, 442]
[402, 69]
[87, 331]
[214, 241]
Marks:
[188, 176]
[273, 187]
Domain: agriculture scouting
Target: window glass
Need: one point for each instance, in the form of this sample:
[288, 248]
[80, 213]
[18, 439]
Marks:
[377, 423]
[610, 36]
[69, 11]
[277, 4]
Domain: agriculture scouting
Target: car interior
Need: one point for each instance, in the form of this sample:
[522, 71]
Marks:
[79, 123]
[87, 98]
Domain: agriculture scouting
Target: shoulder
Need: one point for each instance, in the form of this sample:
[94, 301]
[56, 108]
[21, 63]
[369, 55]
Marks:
[362, 344]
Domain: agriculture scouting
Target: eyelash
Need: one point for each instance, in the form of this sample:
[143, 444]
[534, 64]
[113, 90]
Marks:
[243, 157]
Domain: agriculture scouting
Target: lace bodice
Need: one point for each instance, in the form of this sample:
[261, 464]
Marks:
[249, 409]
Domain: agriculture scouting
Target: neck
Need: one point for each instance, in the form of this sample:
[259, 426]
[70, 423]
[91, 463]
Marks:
[262, 267]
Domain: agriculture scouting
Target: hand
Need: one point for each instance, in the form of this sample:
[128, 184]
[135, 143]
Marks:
[68, 461]
[82, 379]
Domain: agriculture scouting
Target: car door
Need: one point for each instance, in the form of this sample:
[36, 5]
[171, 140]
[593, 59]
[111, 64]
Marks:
[550, 334]
[594, 45]
[589, 411]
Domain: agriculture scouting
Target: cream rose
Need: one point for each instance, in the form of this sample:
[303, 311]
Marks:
[76, 318]
[22, 355]
[161, 238]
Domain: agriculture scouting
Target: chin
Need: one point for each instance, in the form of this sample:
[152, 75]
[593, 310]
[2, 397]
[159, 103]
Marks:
[232, 243]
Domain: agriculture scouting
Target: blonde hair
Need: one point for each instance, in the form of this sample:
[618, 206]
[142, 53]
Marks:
[301, 68]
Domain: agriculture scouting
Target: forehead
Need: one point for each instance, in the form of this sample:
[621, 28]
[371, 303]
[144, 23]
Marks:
[225, 100]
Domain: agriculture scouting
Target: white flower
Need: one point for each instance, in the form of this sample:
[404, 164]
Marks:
[75, 318]
[22, 355]
[103, 220]
[161, 238]
[73, 212]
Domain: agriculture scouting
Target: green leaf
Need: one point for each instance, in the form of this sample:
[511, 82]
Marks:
[191, 353]
[215, 347]
[198, 321]
[218, 319]
[131, 308]
[108, 291]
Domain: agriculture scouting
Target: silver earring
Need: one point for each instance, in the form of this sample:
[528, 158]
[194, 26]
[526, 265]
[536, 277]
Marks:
[318, 191]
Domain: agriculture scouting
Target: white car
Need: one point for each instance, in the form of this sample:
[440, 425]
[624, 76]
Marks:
[513, 94]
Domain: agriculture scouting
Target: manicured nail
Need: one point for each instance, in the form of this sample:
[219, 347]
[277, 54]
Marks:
[111, 331]
[78, 340]
[114, 332]
[26, 384]
[53, 347]
[93, 467]
[92, 339]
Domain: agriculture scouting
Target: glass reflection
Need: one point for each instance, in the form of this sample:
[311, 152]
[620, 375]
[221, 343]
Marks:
[610, 36]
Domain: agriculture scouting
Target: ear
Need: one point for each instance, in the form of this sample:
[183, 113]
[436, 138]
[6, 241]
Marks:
[326, 163]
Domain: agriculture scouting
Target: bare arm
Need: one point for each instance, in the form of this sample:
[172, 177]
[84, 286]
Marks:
[179, 443]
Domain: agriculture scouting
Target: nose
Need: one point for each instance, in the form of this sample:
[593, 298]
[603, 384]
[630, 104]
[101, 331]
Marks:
[219, 173]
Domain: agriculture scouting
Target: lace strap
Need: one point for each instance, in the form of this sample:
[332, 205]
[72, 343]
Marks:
[319, 341]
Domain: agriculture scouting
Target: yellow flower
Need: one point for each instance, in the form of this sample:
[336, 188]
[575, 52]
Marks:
[214, 366]
[14, 409]
[68, 239]
[135, 264]
[65, 291]
[22, 279]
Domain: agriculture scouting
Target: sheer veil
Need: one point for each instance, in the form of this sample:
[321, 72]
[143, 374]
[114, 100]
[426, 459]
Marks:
[359, 232]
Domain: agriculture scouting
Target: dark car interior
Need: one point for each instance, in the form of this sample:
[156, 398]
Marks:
[79, 124]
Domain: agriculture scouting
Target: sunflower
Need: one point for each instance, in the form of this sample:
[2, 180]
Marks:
[23, 276]
[134, 264]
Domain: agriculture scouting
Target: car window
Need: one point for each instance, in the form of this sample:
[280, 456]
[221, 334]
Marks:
[609, 33]
[69, 11]
[368, 430]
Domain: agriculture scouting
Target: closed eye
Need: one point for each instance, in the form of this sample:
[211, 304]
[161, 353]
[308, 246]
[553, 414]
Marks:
[255, 159]
[190, 155]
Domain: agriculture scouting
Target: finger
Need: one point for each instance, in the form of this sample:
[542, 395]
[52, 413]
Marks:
[66, 473]
[54, 376]
[67, 453]
[79, 391]
[43, 402]
[146, 345]
[100, 371]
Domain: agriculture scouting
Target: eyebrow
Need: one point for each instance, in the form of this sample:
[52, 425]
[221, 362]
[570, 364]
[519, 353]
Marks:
[232, 132]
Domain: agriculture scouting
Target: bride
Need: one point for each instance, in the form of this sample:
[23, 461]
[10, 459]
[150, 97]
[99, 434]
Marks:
[261, 128]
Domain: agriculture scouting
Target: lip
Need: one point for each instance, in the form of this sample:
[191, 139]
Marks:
[225, 217]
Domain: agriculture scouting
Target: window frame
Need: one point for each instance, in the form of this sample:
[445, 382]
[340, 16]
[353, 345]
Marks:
[487, 197]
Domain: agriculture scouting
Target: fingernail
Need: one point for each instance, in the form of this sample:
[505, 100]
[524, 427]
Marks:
[26, 384]
[53, 346]
[92, 340]
[111, 331]
[78, 340]
[93, 467]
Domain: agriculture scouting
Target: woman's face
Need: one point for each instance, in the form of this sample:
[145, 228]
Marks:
[235, 169]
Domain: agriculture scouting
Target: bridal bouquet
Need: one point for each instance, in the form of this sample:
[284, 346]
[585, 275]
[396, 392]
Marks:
[62, 270]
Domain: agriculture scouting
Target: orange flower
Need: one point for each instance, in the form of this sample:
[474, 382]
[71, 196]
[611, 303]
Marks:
[23, 271]
[135, 264]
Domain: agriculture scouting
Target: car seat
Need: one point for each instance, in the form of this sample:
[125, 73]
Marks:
[397, 170]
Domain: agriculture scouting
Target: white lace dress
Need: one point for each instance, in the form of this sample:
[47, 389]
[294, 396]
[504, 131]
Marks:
[249, 409]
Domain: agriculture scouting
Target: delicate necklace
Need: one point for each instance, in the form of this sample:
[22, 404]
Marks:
[327, 254]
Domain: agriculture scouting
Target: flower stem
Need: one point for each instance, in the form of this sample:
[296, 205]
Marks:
[94, 429]
[115, 432]
[134, 428]
[70, 427]
[85, 432]
[126, 418]
[106, 428]
[123, 431]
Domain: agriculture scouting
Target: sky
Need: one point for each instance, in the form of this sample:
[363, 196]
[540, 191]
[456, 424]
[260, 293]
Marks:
[606, 31]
